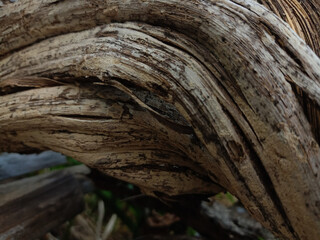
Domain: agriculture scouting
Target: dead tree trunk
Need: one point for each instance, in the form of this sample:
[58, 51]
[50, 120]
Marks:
[175, 96]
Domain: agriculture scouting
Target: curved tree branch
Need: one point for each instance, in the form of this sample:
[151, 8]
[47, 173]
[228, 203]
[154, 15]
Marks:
[210, 95]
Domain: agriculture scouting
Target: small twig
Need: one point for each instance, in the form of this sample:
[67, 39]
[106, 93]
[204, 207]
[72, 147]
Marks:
[100, 219]
[109, 227]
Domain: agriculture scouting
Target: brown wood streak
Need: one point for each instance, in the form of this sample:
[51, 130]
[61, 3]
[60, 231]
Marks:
[16, 84]
[302, 16]
[231, 79]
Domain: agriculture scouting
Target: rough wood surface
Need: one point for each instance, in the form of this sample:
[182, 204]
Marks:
[303, 16]
[191, 97]
[31, 207]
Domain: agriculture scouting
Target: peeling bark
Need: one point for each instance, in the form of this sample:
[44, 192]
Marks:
[177, 97]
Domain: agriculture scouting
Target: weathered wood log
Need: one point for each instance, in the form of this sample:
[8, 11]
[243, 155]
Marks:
[128, 134]
[31, 207]
[212, 94]
[12, 165]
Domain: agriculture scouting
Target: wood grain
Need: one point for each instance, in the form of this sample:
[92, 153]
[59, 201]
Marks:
[175, 96]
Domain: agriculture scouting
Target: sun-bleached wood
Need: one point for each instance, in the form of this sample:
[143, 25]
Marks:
[175, 96]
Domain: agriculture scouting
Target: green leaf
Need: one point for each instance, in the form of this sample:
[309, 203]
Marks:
[231, 198]
[191, 232]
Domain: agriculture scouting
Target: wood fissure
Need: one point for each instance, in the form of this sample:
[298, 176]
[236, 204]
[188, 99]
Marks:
[267, 182]
[223, 89]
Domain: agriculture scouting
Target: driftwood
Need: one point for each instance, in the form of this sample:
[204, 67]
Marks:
[177, 97]
[31, 207]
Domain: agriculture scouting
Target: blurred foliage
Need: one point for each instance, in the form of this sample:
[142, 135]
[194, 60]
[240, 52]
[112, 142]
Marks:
[134, 219]
[226, 198]
[122, 200]
[191, 232]
[70, 162]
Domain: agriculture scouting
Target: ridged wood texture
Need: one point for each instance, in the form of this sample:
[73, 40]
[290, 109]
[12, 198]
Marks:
[175, 96]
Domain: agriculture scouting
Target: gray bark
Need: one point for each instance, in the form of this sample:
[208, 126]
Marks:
[176, 97]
